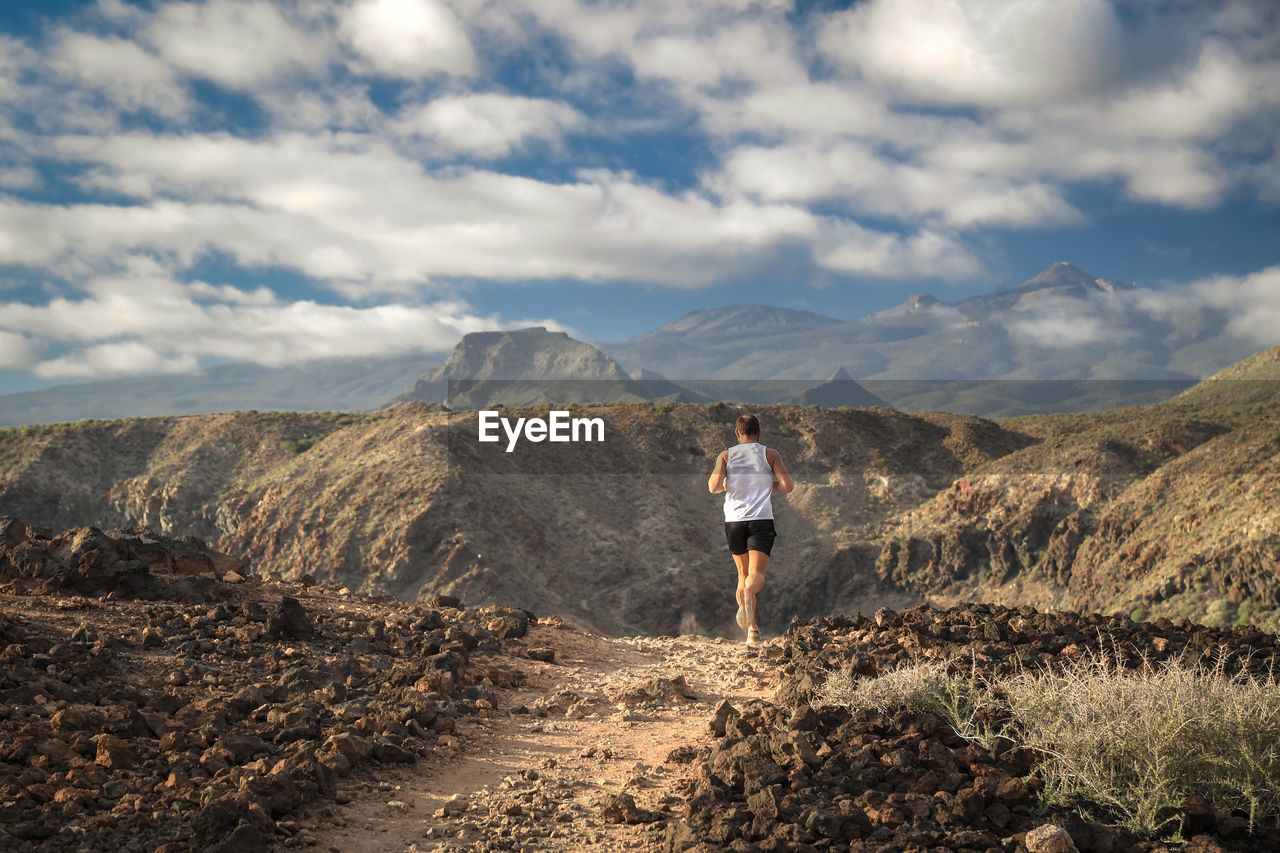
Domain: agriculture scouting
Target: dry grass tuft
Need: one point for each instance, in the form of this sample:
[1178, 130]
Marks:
[1134, 741]
[1140, 741]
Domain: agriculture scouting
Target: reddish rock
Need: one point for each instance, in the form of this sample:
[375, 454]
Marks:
[1049, 839]
[114, 753]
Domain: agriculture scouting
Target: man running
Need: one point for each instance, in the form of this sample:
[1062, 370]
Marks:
[747, 473]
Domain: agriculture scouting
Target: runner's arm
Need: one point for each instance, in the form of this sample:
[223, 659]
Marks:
[781, 476]
[715, 483]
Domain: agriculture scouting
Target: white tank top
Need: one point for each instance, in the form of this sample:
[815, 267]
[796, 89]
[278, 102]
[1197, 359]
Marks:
[749, 483]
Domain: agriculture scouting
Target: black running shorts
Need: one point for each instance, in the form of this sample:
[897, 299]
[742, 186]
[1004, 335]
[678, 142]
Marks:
[754, 535]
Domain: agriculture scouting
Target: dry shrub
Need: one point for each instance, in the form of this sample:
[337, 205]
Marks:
[1134, 741]
[1140, 741]
[919, 688]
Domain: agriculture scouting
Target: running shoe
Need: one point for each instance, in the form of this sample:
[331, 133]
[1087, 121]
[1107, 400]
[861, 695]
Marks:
[753, 636]
[742, 616]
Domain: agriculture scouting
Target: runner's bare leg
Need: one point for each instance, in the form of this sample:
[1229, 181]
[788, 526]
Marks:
[742, 562]
[757, 565]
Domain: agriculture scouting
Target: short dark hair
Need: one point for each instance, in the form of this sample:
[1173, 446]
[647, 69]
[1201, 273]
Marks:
[747, 425]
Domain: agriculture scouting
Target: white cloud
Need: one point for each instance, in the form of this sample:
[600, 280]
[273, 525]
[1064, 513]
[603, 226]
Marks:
[120, 13]
[355, 214]
[753, 51]
[1213, 93]
[19, 178]
[409, 38]
[204, 291]
[863, 180]
[115, 359]
[240, 44]
[1251, 301]
[338, 107]
[490, 125]
[1174, 173]
[982, 52]
[139, 319]
[813, 110]
[690, 48]
[17, 351]
[1174, 176]
[121, 71]
[1049, 329]
[926, 254]
[1247, 307]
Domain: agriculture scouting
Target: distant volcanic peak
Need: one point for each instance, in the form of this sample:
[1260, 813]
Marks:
[1064, 275]
[920, 300]
[841, 375]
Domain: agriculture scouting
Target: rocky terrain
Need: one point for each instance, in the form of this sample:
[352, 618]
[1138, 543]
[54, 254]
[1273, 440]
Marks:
[156, 699]
[1167, 510]
[790, 774]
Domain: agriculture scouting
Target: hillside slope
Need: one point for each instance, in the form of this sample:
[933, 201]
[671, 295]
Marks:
[1170, 509]
[1165, 510]
[620, 535]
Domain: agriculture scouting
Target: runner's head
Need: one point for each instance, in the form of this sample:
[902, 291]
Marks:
[747, 426]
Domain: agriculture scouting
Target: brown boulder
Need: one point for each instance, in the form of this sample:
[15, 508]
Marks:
[1049, 839]
[114, 753]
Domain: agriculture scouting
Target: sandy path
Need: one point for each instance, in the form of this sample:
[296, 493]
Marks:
[614, 711]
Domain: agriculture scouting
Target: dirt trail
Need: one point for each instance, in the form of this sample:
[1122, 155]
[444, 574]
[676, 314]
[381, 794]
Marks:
[603, 718]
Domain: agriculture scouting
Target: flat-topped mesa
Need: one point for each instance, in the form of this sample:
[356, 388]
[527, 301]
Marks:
[532, 353]
[523, 367]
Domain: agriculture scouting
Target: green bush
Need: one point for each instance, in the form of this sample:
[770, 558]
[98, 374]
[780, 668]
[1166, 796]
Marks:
[1221, 613]
[303, 444]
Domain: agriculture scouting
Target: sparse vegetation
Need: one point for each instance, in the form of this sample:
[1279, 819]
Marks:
[303, 444]
[1134, 742]
[920, 688]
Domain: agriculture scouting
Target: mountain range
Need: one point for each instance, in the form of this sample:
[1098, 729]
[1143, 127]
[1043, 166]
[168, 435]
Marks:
[1061, 341]
[341, 384]
[1168, 509]
[1062, 324]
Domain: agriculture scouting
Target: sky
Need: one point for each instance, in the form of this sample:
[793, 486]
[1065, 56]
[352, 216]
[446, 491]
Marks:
[188, 183]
